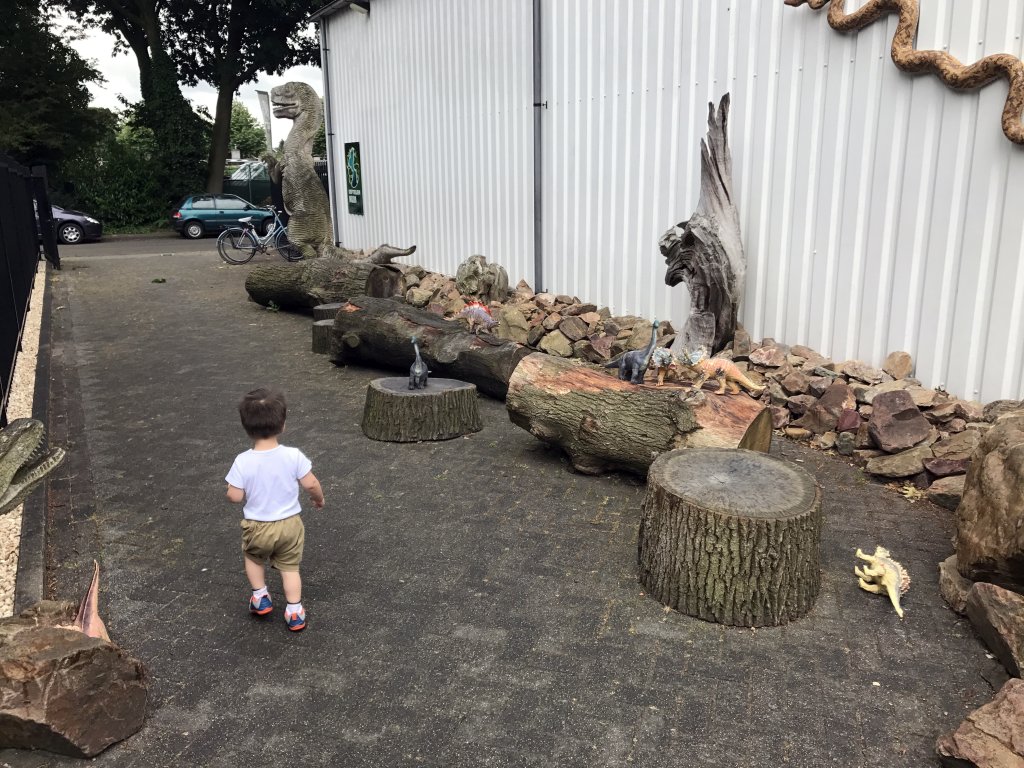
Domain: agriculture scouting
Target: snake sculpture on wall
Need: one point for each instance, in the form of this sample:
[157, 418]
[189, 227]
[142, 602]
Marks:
[953, 73]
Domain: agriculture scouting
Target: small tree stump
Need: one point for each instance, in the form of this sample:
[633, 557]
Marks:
[446, 408]
[323, 330]
[731, 536]
[327, 311]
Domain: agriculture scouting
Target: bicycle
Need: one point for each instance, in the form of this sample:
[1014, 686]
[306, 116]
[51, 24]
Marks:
[237, 245]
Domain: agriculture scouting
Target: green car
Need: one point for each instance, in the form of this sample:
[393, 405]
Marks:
[199, 215]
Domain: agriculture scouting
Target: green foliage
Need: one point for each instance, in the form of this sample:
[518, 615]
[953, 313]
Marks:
[44, 98]
[247, 136]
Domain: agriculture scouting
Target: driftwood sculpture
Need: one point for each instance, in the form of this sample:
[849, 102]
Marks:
[947, 68]
[706, 251]
[309, 210]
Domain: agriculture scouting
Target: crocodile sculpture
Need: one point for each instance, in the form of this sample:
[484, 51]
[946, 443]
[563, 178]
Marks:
[23, 461]
[883, 575]
[947, 68]
[633, 364]
[309, 209]
[725, 372]
[418, 370]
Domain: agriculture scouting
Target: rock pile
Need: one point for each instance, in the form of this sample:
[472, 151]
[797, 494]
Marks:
[559, 325]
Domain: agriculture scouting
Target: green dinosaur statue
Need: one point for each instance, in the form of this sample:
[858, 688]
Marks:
[23, 463]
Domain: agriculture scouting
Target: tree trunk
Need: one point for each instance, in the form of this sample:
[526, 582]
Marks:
[322, 331]
[327, 311]
[605, 424]
[378, 332]
[731, 536]
[319, 281]
[220, 139]
[444, 409]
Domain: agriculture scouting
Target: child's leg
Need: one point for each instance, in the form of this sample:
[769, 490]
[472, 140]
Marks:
[256, 573]
[292, 583]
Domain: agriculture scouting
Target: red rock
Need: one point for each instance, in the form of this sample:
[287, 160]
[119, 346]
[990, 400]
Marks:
[573, 328]
[770, 357]
[946, 467]
[899, 365]
[796, 383]
[849, 421]
[799, 404]
[824, 414]
[780, 416]
[947, 491]
[896, 424]
[991, 736]
[959, 446]
[998, 617]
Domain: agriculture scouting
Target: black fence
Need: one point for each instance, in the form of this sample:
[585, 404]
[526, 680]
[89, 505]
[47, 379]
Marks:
[26, 232]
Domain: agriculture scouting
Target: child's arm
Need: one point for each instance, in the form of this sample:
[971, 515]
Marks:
[312, 486]
[236, 495]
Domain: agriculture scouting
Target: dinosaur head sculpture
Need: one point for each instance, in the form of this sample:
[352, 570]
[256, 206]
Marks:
[23, 461]
[294, 99]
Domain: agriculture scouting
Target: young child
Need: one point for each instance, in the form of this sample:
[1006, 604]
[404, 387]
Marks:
[267, 478]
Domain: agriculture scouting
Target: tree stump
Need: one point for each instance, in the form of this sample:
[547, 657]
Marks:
[603, 423]
[322, 331]
[307, 283]
[731, 536]
[327, 311]
[446, 408]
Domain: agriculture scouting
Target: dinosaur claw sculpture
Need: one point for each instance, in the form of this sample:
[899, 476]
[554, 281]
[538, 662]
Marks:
[385, 253]
[88, 620]
[883, 576]
[23, 461]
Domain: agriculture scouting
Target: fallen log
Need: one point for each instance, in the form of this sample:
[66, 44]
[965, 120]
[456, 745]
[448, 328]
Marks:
[604, 424]
[309, 283]
[378, 332]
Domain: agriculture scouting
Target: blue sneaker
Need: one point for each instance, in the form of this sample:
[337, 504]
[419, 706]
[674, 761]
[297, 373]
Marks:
[296, 621]
[260, 607]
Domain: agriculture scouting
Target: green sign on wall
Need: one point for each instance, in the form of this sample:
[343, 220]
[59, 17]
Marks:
[354, 178]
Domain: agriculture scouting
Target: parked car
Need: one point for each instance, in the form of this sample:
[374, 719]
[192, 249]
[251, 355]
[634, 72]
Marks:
[74, 226]
[203, 214]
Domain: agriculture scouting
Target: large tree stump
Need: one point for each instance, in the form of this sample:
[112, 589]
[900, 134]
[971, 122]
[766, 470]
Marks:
[444, 409]
[322, 331]
[603, 423]
[731, 536]
[377, 332]
[320, 281]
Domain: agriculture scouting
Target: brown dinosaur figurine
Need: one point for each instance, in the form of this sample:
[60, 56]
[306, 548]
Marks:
[721, 370]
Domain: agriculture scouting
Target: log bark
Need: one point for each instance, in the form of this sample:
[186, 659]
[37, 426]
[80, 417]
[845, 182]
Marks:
[322, 330]
[378, 332]
[731, 536]
[308, 283]
[604, 424]
[444, 409]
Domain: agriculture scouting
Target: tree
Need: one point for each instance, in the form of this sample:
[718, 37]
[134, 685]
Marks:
[180, 135]
[228, 44]
[247, 136]
[44, 98]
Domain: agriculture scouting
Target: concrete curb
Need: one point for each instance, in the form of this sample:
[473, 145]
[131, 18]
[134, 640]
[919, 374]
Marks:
[28, 585]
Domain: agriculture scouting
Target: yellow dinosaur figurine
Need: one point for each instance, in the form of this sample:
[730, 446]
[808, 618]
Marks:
[883, 575]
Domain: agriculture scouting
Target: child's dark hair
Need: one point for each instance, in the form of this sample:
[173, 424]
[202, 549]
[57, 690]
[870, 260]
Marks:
[263, 412]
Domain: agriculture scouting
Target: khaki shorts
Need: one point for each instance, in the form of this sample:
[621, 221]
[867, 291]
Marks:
[279, 541]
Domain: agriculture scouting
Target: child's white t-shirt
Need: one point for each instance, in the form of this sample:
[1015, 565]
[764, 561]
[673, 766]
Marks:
[270, 481]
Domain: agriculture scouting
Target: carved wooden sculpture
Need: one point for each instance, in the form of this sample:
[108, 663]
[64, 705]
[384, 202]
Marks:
[706, 251]
[948, 68]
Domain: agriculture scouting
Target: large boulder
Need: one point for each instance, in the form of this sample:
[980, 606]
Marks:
[998, 617]
[990, 737]
[896, 424]
[990, 532]
[63, 691]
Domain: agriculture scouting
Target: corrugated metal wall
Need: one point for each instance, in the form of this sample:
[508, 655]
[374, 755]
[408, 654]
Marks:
[439, 96]
[877, 208]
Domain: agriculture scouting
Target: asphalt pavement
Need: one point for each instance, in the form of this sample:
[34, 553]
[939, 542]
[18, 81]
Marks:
[471, 602]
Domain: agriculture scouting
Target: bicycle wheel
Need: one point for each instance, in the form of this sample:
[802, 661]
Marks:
[288, 250]
[236, 245]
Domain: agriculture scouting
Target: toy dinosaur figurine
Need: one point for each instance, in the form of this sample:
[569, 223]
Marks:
[478, 316]
[721, 370]
[23, 463]
[418, 371]
[633, 364]
[883, 575]
[662, 361]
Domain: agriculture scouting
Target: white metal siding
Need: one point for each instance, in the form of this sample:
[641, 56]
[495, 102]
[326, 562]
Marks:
[880, 211]
[439, 96]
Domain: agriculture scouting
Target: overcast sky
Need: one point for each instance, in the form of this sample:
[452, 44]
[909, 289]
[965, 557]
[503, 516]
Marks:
[122, 79]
